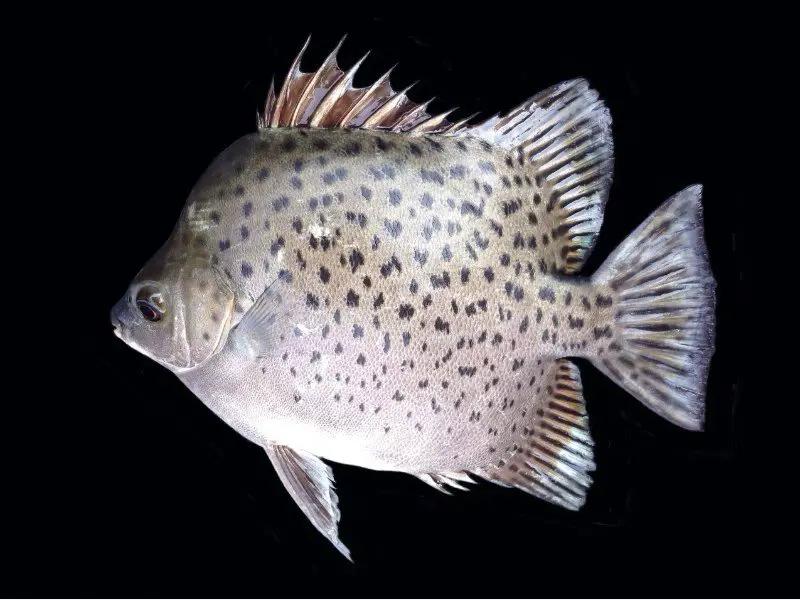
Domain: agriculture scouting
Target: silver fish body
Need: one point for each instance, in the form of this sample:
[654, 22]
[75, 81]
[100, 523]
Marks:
[406, 348]
[361, 282]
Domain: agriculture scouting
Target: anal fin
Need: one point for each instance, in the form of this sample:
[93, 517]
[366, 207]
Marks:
[441, 481]
[554, 453]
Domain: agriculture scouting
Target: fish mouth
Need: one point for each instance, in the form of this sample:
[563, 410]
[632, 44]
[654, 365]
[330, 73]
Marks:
[116, 324]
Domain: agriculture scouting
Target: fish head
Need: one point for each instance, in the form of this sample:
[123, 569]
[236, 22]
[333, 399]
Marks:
[177, 310]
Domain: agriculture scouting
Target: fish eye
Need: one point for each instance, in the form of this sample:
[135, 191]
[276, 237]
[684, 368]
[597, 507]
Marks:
[150, 303]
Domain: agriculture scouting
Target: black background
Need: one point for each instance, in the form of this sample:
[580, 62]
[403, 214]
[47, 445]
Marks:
[148, 493]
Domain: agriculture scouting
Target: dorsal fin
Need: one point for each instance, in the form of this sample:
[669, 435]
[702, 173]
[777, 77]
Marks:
[560, 141]
[326, 98]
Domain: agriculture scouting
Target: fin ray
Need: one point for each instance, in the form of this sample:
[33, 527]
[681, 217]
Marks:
[326, 98]
[665, 317]
[561, 140]
[309, 482]
[553, 457]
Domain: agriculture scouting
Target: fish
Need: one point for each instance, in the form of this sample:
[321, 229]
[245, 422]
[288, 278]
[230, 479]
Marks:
[358, 281]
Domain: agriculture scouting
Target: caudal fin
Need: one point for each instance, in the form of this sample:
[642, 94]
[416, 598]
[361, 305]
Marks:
[664, 317]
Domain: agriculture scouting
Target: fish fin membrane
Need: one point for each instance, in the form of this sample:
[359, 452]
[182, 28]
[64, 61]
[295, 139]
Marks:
[326, 98]
[270, 315]
[559, 142]
[553, 454]
[664, 318]
[309, 482]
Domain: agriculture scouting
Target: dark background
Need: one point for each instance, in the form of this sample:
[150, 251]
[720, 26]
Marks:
[147, 493]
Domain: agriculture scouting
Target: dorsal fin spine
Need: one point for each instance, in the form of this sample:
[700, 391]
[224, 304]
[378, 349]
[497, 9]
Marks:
[337, 90]
[308, 92]
[365, 98]
[282, 98]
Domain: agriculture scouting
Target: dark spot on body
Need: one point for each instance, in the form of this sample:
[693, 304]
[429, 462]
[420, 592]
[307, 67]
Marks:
[603, 301]
[601, 332]
[458, 172]
[394, 228]
[405, 311]
[442, 281]
[441, 325]
[312, 301]
[280, 204]
[547, 293]
[356, 259]
[471, 208]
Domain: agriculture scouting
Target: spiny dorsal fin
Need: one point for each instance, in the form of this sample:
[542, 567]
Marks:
[554, 453]
[326, 98]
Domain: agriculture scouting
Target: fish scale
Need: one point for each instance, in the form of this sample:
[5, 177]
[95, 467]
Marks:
[366, 283]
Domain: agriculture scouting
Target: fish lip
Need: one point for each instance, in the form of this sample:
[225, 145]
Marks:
[116, 323]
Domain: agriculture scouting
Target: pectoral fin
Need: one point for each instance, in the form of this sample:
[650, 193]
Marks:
[310, 482]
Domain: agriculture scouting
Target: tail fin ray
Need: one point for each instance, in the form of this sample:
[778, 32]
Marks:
[665, 311]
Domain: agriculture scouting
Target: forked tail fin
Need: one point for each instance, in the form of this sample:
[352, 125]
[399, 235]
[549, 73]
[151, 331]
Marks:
[664, 315]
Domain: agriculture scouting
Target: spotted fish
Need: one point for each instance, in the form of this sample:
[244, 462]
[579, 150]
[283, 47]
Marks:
[367, 283]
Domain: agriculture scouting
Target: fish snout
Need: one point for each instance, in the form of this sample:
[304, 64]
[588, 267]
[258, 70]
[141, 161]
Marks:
[117, 318]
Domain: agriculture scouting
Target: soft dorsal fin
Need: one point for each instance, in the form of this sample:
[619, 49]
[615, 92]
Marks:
[326, 98]
[560, 142]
